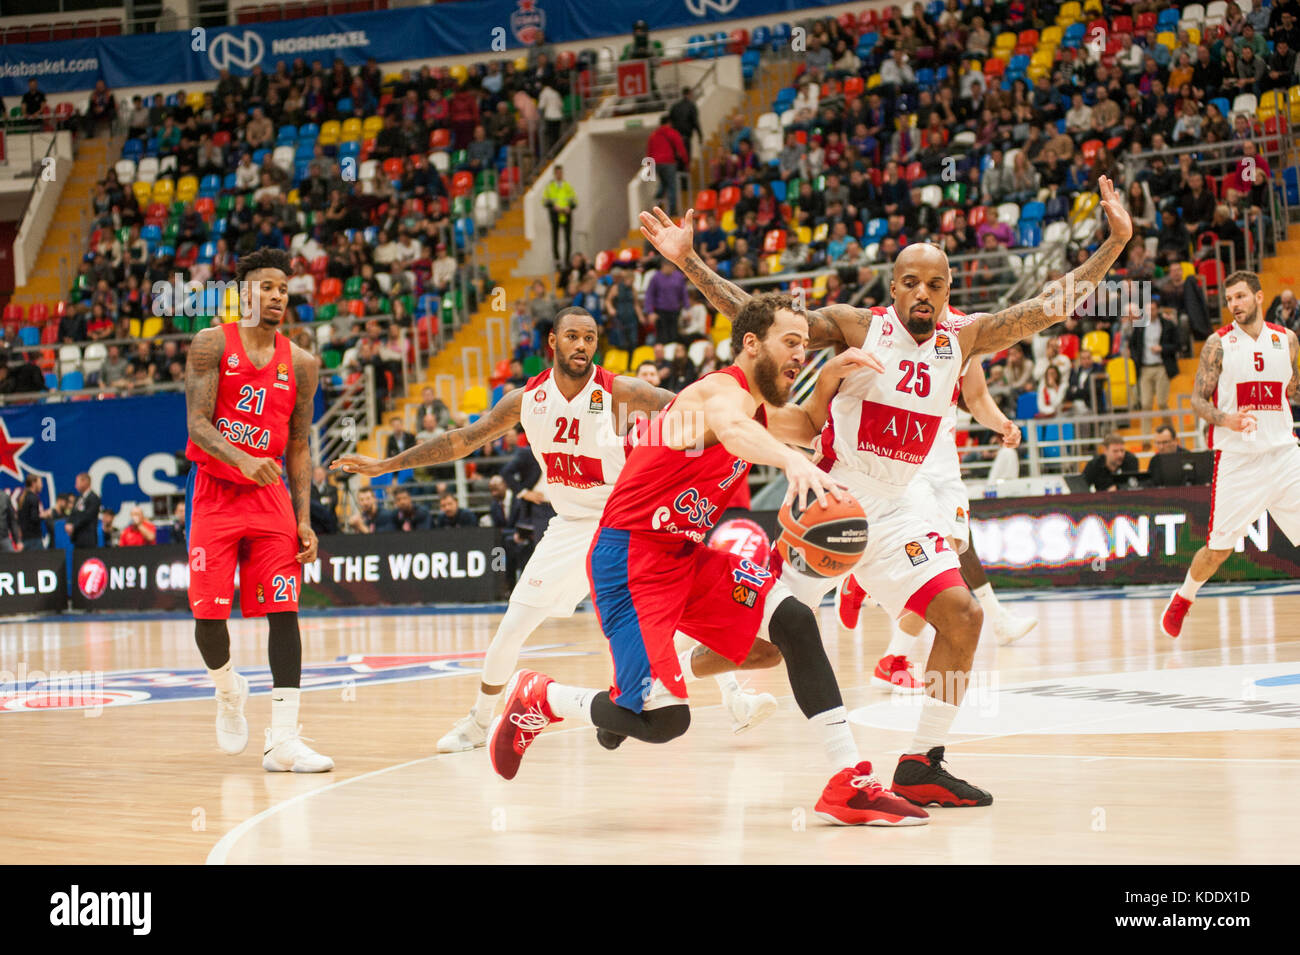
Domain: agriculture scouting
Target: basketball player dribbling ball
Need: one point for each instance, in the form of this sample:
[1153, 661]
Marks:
[940, 480]
[881, 427]
[248, 395]
[1245, 384]
[652, 574]
[575, 416]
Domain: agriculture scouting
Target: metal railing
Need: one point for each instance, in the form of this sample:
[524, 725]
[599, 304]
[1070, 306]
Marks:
[351, 417]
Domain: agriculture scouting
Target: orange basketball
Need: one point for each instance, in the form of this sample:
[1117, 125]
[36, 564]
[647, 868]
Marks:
[823, 541]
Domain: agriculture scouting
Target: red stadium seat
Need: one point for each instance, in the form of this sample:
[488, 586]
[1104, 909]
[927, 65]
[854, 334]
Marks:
[330, 290]
[737, 42]
[1123, 24]
[462, 184]
[62, 31]
[706, 200]
[1212, 272]
[948, 221]
[319, 266]
[728, 197]
[604, 259]
[565, 61]
[440, 138]
[1069, 345]
[393, 168]
[246, 15]
[853, 87]
[40, 314]
[1090, 149]
[774, 242]
[994, 67]
[912, 172]
[1027, 38]
[978, 216]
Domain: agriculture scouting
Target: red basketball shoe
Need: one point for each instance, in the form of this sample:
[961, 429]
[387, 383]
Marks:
[849, 603]
[854, 797]
[1172, 621]
[921, 778]
[895, 673]
[526, 714]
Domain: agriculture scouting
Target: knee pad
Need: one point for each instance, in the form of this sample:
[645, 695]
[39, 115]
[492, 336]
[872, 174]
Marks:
[668, 723]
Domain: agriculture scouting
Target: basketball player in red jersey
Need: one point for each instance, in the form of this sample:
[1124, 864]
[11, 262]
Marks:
[1246, 368]
[578, 437]
[248, 395]
[652, 574]
[880, 429]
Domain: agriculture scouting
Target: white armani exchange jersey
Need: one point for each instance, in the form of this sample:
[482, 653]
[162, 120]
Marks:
[575, 442]
[1254, 377]
[883, 426]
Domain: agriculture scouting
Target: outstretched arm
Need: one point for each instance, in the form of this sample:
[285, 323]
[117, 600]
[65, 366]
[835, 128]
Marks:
[447, 446]
[997, 331]
[297, 454]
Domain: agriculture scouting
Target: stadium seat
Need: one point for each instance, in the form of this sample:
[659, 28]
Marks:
[1119, 372]
[1026, 405]
[474, 400]
[1097, 341]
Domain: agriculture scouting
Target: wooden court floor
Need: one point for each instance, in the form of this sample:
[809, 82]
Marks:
[1101, 740]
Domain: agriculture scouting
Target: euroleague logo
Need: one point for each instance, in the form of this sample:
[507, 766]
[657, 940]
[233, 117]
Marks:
[92, 579]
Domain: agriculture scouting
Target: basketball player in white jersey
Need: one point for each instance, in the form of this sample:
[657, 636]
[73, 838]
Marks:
[574, 415]
[882, 426]
[1244, 387]
[940, 478]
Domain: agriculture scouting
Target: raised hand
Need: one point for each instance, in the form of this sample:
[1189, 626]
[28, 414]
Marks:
[1121, 226]
[674, 242]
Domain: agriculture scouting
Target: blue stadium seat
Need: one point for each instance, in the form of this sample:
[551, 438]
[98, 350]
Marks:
[345, 106]
[370, 233]
[1168, 19]
[29, 336]
[285, 135]
[1033, 212]
[724, 268]
[301, 170]
[51, 381]
[132, 149]
[308, 132]
[352, 149]
[1060, 125]
[210, 186]
[1056, 210]
[207, 252]
[259, 156]
[780, 35]
[172, 100]
[925, 78]
[759, 38]
[876, 230]
[165, 250]
[1292, 181]
[219, 227]
[464, 232]
[72, 381]
[1030, 234]
[1020, 62]
[230, 182]
[151, 234]
[497, 394]
[1026, 405]
[304, 151]
[306, 313]
[428, 305]
[778, 189]
[697, 44]
[934, 8]
[1053, 432]
[1073, 36]
[1223, 105]
[719, 45]
[151, 146]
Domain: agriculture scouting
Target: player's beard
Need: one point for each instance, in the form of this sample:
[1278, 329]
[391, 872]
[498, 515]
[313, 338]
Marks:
[1250, 318]
[575, 371]
[921, 326]
[767, 375]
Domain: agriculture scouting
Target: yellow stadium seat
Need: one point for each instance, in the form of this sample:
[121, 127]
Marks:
[187, 188]
[804, 233]
[1187, 269]
[1069, 12]
[521, 64]
[644, 353]
[293, 198]
[459, 73]
[1167, 39]
[391, 79]
[1084, 203]
[194, 101]
[143, 191]
[721, 329]
[1003, 53]
[819, 285]
[153, 326]
[1093, 6]
[1272, 103]
[329, 133]
[1097, 342]
[729, 221]
[1005, 39]
[615, 361]
[351, 130]
[1194, 35]
[1035, 71]
[371, 127]
[163, 191]
[821, 233]
[873, 81]
[1115, 371]
[474, 400]
[1041, 57]
[1051, 36]
[771, 264]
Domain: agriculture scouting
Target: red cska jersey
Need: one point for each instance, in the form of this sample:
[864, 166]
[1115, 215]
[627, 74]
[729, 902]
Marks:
[253, 407]
[676, 492]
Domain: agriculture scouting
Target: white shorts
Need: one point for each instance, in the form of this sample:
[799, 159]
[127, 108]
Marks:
[947, 495]
[1247, 485]
[907, 560]
[555, 578]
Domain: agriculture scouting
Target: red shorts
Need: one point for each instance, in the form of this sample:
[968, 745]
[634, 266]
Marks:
[245, 525]
[646, 587]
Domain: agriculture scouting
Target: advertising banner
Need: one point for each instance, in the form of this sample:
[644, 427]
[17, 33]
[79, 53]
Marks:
[33, 581]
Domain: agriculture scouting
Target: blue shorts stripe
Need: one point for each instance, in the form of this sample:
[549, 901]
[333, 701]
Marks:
[618, 617]
[189, 506]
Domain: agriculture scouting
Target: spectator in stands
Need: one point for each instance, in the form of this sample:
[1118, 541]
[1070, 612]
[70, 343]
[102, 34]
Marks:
[500, 510]
[680, 372]
[405, 515]
[694, 322]
[139, 532]
[1167, 465]
[367, 514]
[685, 118]
[137, 123]
[623, 314]
[1283, 311]
[33, 100]
[648, 372]
[560, 200]
[1010, 378]
[72, 326]
[451, 514]
[260, 132]
[11, 534]
[399, 439]
[1085, 390]
[84, 516]
[1051, 393]
[1280, 71]
[1154, 350]
[102, 109]
[665, 297]
[668, 152]
[1113, 466]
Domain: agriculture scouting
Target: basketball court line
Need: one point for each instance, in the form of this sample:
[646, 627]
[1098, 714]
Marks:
[1152, 759]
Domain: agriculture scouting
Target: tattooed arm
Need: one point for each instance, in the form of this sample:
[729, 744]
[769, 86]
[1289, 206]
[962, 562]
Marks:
[445, 447]
[1207, 381]
[635, 400]
[297, 454]
[202, 376]
[997, 331]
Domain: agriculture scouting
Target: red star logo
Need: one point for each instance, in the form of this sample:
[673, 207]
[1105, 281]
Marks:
[10, 451]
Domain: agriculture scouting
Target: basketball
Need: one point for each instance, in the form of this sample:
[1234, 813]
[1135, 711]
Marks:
[822, 541]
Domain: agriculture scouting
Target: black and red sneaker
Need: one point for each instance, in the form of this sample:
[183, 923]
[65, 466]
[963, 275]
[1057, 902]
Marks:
[920, 778]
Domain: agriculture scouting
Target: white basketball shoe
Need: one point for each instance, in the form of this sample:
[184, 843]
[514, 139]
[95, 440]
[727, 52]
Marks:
[287, 753]
[232, 727]
[748, 709]
[1008, 628]
[464, 736]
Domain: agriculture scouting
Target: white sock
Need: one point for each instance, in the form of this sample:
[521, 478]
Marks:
[484, 706]
[935, 724]
[1188, 590]
[684, 661]
[570, 702]
[728, 684]
[984, 594]
[902, 643]
[838, 744]
[284, 710]
[224, 677]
